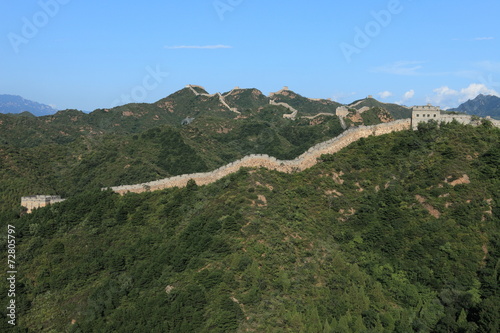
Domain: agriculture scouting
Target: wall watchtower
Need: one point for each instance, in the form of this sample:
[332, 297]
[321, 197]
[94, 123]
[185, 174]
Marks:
[424, 114]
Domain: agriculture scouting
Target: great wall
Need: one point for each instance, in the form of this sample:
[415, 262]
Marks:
[221, 98]
[310, 157]
[306, 160]
[38, 201]
[292, 115]
[428, 112]
[341, 111]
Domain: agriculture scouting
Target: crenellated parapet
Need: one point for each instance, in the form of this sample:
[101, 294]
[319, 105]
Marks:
[219, 95]
[302, 162]
[292, 115]
[305, 160]
[426, 113]
[38, 201]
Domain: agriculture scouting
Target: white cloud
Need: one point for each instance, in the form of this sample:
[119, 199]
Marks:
[484, 38]
[447, 97]
[443, 95]
[400, 68]
[406, 97]
[409, 94]
[475, 89]
[199, 47]
[343, 97]
[385, 94]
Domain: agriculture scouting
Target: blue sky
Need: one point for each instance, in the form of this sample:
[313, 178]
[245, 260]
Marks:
[97, 54]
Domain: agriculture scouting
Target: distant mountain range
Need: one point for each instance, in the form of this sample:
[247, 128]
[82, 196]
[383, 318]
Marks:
[482, 105]
[192, 103]
[17, 104]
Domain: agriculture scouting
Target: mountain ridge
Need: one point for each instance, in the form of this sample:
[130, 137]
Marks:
[283, 95]
[482, 106]
[16, 104]
[187, 103]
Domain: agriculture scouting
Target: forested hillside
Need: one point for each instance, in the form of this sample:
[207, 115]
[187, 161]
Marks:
[109, 159]
[72, 151]
[67, 126]
[395, 233]
[396, 111]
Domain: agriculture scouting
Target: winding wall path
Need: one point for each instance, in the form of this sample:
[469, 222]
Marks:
[304, 161]
[221, 98]
[288, 106]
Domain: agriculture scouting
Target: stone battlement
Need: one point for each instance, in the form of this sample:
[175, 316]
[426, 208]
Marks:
[424, 114]
[310, 157]
[292, 115]
[221, 98]
[342, 111]
[304, 161]
[37, 201]
[428, 107]
[285, 88]
[195, 86]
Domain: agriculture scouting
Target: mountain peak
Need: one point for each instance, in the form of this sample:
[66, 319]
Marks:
[481, 105]
[18, 104]
[283, 91]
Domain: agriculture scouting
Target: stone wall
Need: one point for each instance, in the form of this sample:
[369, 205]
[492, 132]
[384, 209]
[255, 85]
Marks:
[319, 114]
[304, 161]
[285, 88]
[422, 116]
[38, 201]
[461, 118]
[221, 98]
[342, 111]
[223, 101]
[495, 122]
[288, 106]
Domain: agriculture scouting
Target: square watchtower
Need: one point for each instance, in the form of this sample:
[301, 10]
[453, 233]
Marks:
[423, 114]
[38, 201]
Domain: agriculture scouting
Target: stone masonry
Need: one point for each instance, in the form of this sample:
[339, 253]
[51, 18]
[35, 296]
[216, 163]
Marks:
[292, 115]
[221, 98]
[304, 161]
[38, 201]
[310, 157]
[423, 114]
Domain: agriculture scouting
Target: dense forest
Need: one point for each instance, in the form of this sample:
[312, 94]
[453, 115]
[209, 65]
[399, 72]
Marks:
[111, 159]
[395, 233]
